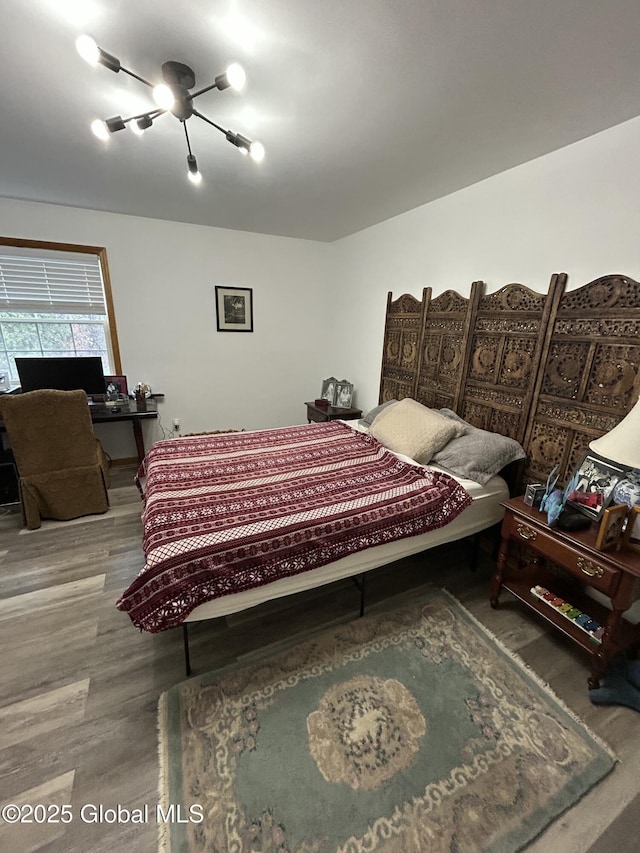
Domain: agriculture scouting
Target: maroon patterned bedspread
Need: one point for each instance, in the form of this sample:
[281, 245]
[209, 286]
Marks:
[224, 513]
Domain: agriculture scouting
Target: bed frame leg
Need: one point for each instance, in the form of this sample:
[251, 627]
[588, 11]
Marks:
[359, 582]
[185, 637]
[475, 550]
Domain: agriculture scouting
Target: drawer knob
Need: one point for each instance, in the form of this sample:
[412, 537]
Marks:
[589, 568]
[526, 532]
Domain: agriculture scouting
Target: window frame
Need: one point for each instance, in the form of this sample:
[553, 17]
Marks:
[101, 253]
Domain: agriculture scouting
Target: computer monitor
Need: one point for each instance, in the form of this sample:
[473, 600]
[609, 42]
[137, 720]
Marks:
[62, 374]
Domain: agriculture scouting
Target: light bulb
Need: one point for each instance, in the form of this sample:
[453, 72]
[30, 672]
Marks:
[236, 76]
[88, 49]
[100, 129]
[256, 151]
[163, 96]
[193, 174]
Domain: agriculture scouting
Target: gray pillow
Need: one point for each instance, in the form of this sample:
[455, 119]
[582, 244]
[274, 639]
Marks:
[369, 417]
[478, 454]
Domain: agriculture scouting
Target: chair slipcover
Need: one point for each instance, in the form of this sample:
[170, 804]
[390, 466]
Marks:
[63, 470]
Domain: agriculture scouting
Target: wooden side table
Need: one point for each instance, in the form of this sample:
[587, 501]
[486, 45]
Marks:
[532, 553]
[331, 413]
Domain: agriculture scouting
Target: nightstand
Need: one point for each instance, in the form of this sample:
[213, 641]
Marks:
[331, 413]
[532, 553]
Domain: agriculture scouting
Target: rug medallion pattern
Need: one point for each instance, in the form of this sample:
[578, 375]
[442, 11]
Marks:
[365, 731]
[398, 733]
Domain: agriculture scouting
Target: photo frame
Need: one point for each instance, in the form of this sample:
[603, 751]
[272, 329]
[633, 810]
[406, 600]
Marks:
[328, 392]
[631, 538]
[611, 526]
[343, 395]
[234, 309]
[115, 388]
[596, 480]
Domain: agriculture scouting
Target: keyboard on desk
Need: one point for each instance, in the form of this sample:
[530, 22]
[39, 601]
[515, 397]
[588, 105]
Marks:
[109, 408]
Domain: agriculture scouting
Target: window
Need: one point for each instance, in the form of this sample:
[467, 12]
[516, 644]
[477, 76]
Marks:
[55, 300]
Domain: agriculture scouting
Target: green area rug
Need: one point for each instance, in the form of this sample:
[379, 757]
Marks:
[401, 732]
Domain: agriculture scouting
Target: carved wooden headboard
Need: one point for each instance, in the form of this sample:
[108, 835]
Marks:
[553, 370]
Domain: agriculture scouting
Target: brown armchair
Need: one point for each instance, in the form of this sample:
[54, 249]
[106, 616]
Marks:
[63, 470]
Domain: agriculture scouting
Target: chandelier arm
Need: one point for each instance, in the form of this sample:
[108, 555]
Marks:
[136, 76]
[152, 115]
[202, 91]
[208, 121]
[186, 133]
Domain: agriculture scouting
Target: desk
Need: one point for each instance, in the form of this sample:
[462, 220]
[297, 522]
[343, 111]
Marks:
[128, 412]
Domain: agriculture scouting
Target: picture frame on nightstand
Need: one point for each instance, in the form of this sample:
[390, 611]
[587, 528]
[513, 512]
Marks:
[329, 389]
[596, 480]
[343, 395]
[611, 527]
[631, 537]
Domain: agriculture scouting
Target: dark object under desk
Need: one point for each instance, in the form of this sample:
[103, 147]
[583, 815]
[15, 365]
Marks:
[128, 411]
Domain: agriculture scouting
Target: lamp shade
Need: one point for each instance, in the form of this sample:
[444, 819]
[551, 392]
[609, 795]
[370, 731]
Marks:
[622, 444]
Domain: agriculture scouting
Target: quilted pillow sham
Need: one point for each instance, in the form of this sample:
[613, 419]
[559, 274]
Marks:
[478, 454]
[412, 429]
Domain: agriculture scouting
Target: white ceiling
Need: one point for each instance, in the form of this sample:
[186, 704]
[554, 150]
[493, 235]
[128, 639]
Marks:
[366, 108]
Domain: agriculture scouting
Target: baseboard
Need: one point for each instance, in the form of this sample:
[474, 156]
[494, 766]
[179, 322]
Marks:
[125, 463]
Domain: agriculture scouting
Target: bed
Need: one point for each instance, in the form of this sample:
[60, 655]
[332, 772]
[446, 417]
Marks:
[546, 371]
[236, 519]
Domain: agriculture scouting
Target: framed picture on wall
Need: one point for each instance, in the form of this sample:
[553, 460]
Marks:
[115, 387]
[234, 309]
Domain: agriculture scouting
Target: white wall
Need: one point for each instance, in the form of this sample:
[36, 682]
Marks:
[163, 276]
[319, 308]
[576, 210]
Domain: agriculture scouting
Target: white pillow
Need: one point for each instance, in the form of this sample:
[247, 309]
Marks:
[412, 429]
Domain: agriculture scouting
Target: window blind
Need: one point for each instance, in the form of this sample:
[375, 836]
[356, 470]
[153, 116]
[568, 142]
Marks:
[39, 281]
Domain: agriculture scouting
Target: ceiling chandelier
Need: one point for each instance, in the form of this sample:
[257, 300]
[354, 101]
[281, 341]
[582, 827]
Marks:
[171, 96]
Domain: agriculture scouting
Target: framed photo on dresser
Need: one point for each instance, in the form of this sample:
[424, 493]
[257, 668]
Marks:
[328, 392]
[343, 395]
[595, 484]
[115, 388]
[632, 531]
[611, 527]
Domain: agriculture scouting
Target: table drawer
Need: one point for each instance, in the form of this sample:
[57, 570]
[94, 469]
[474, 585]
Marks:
[316, 416]
[595, 572]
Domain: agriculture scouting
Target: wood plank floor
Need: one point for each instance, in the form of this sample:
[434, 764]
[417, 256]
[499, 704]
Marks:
[79, 685]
